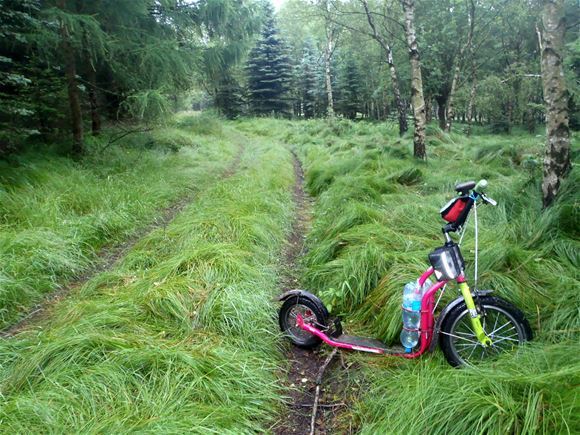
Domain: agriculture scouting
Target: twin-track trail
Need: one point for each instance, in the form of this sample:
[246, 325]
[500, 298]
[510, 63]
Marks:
[110, 256]
[303, 364]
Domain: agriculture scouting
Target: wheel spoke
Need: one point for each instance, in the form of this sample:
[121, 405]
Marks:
[500, 325]
[460, 338]
[471, 353]
[506, 338]
[465, 334]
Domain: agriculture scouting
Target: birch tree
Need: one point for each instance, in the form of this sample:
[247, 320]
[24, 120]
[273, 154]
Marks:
[467, 47]
[388, 50]
[331, 30]
[416, 81]
[557, 160]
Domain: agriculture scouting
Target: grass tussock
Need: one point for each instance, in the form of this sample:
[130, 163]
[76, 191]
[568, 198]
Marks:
[180, 337]
[56, 214]
[376, 218]
[530, 392]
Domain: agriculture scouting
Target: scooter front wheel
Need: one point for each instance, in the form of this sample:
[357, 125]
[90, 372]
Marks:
[502, 322]
[311, 311]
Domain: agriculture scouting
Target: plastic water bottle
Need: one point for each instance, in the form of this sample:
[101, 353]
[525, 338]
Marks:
[412, 296]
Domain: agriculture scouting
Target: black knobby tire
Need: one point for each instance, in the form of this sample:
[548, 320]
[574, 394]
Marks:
[312, 311]
[504, 323]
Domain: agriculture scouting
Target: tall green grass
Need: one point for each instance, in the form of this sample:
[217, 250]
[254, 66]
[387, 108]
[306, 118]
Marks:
[181, 336]
[376, 218]
[56, 214]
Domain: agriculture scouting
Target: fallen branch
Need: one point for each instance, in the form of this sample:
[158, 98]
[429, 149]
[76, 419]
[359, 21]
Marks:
[318, 383]
[120, 136]
[323, 405]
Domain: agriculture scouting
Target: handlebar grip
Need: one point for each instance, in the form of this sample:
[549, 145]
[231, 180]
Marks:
[481, 185]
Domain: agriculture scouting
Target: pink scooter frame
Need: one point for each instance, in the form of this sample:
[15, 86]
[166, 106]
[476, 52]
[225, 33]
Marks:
[427, 322]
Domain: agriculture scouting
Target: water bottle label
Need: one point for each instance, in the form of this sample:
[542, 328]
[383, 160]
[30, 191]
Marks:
[416, 306]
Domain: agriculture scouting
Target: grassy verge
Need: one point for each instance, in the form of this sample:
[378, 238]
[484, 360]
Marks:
[56, 214]
[180, 337]
[376, 218]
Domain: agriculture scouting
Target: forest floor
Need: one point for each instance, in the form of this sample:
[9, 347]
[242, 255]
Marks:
[303, 365]
[109, 256]
[175, 329]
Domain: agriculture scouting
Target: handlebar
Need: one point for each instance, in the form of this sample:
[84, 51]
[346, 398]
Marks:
[478, 189]
[473, 192]
[481, 186]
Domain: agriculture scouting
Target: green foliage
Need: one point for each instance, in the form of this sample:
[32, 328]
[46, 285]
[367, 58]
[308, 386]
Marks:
[18, 23]
[376, 218]
[56, 214]
[133, 58]
[308, 83]
[348, 101]
[178, 336]
[269, 70]
[228, 96]
[531, 392]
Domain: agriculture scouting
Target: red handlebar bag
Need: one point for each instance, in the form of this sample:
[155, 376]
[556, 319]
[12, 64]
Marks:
[452, 210]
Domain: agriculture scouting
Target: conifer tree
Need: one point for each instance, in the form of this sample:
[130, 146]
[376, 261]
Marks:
[269, 71]
[348, 90]
[23, 107]
[308, 81]
[228, 96]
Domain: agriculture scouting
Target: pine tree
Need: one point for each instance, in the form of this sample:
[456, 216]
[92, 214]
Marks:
[269, 71]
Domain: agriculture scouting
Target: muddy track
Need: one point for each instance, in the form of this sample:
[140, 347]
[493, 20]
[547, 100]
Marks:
[303, 364]
[110, 256]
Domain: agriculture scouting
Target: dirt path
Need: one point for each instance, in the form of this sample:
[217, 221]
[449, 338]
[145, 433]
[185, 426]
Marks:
[303, 364]
[110, 256]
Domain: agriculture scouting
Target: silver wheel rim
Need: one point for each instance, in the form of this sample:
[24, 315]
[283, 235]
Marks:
[307, 314]
[500, 325]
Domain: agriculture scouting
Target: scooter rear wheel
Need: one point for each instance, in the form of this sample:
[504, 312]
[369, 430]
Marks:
[311, 311]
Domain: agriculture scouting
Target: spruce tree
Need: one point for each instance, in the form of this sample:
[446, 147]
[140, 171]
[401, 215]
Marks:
[348, 90]
[228, 96]
[18, 24]
[269, 71]
[308, 81]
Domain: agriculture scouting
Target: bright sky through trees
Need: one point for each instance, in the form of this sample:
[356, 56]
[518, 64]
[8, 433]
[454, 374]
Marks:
[278, 4]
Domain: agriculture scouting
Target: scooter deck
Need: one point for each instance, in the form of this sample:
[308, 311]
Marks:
[368, 343]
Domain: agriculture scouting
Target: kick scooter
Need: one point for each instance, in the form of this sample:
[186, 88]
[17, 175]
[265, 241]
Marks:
[474, 327]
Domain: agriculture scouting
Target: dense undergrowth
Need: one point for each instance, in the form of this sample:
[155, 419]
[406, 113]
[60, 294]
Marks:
[56, 214]
[180, 336]
[377, 218]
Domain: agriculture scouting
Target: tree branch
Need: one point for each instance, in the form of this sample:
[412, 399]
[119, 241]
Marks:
[317, 395]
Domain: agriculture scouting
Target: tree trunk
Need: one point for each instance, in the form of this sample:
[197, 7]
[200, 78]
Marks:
[450, 109]
[70, 70]
[403, 127]
[428, 115]
[416, 81]
[471, 103]
[557, 161]
[469, 46]
[473, 90]
[393, 71]
[328, 77]
[95, 117]
[441, 112]
[328, 51]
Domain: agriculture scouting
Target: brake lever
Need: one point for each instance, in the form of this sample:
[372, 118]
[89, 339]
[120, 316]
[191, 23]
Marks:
[488, 200]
